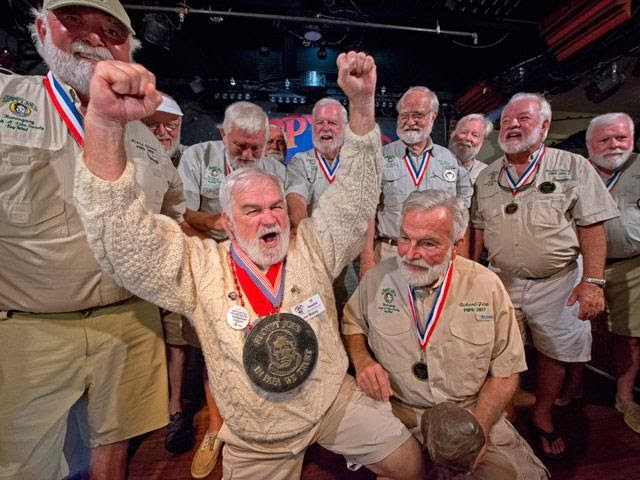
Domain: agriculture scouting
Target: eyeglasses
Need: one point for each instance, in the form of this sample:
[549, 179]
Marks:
[169, 127]
[415, 116]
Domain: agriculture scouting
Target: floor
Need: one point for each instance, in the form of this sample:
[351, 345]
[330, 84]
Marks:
[601, 446]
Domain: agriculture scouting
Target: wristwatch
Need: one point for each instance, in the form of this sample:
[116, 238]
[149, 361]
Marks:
[600, 282]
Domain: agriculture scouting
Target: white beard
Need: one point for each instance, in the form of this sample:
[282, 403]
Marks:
[613, 160]
[70, 68]
[336, 143]
[511, 147]
[414, 136]
[264, 257]
[464, 151]
[428, 276]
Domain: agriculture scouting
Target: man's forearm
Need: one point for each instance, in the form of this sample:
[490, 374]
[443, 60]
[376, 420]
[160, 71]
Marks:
[204, 221]
[297, 206]
[477, 243]
[495, 394]
[104, 152]
[356, 346]
[593, 247]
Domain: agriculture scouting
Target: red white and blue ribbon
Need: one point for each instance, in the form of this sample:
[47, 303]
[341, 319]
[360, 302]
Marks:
[328, 170]
[64, 106]
[436, 309]
[527, 174]
[257, 285]
[417, 173]
[613, 179]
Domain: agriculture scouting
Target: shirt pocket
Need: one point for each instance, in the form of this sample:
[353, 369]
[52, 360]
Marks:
[210, 200]
[549, 208]
[32, 190]
[394, 341]
[469, 349]
[394, 186]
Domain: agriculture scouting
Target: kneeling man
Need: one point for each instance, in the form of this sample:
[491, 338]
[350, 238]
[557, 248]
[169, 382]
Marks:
[441, 328]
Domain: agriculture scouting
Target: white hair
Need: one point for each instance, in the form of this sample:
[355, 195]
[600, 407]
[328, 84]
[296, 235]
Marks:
[543, 103]
[606, 119]
[330, 101]
[240, 179]
[430, 199]
[434, 104]
[246, 116]
[488, 126]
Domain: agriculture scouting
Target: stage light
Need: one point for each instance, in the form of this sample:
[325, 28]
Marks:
[322, 53]
[312, 34]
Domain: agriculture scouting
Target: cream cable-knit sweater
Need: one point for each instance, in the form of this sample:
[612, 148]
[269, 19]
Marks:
[150, 256]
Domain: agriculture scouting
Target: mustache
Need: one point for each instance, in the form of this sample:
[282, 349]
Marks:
[418, 262]
[267, 230]
[97, 53]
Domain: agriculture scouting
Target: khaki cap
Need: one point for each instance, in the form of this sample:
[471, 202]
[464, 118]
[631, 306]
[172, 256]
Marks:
[112, 7]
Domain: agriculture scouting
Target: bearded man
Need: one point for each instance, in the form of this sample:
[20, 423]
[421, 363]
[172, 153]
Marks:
[411, 163]
[537, 210]
[428, 326]
[238, 293]
[466, 142]
[310, 173]
[68, 330]
[610, 143]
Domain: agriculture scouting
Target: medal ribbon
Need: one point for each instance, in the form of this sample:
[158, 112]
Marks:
[264, 291]
[417, 174]
[64, 106]
[613, 179]
[325, 166]
[527, 174]
[436, 308]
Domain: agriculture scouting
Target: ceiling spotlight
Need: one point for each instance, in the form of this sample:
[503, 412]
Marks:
[312, 34]
[322, 53]
[232, 82]
[158, 30]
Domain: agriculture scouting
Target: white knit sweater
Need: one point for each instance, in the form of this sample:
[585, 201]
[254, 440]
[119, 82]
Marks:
[149, 255]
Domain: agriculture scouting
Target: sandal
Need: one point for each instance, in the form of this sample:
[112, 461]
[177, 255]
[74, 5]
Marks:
[538, 434]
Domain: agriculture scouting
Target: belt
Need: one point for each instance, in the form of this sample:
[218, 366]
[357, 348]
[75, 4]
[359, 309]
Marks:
[613, 261]
[388, 240]
[74, 315]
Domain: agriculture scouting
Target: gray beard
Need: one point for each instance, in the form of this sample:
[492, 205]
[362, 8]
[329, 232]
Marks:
[72, 70]
[426, 277]
[264, 258]
[611, 163]
[463, 154]
[413, 137]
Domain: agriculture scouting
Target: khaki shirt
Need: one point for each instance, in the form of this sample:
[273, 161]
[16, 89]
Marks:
[476, 167]
[192, 277]
[47, 265]
[443, 172]
[539, 238]
[202, 168]
[476, 336]
[305, 177]
[623, 233]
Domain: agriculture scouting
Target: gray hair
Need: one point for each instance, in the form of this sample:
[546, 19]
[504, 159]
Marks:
[543, 103]
[434, 104]
[246, 116]
[43, 15]
[241, 179]
[430, 199]
[488, 126]
[328, 101]
[608, 118]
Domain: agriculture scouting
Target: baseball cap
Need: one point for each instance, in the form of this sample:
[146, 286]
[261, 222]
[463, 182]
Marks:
[169, 105]
[452, 437]
[112, 7]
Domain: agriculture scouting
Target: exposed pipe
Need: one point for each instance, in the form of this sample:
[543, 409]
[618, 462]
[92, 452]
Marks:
[183, 10]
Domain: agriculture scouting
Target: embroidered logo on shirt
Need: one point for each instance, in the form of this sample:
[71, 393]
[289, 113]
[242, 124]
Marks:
[473, 306]
[388, 297]
[214, 175]
[20, 109]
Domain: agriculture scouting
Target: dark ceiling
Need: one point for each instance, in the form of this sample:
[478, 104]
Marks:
[206, 51]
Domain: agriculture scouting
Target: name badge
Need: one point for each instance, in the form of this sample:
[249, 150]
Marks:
[310, 308]
[237, 317]
[484, 317]
[563, 176]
